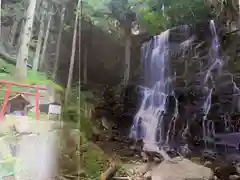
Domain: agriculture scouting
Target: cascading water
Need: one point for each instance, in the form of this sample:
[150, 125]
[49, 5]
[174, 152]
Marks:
[149, 121]
[216, 63]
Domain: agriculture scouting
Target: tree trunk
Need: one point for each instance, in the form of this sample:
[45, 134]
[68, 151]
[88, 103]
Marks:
[69, 83]
[0, 18]
[42, 59]
[58, 44]
[18, 40]
[85, 66]
[39, 45]
[128, 44]
[13, 32]
[238, 14]
[22, 57]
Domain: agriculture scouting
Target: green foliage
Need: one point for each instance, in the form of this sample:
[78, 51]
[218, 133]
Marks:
[160, 15]
[93, 160]
[98, 13]
[7, 74]
[79, 109]
[152, 15]
[41, 78]
[14, 10]
[188, 11]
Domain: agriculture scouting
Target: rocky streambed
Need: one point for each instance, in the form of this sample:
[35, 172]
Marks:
[180, 168]
[201, 165]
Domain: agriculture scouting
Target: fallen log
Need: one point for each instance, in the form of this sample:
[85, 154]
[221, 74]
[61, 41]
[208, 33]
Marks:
[10, 59]
[110, 172]
[121, 178]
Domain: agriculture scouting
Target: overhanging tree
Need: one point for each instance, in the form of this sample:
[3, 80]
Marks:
[117, 17]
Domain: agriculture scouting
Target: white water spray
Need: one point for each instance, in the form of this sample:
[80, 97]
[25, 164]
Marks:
[148, 122]
[215, 62]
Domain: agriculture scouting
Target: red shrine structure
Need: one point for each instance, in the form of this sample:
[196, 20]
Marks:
[19, 100]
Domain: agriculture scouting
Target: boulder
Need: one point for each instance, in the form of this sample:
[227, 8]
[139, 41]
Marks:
[234, 177]
[181, 169]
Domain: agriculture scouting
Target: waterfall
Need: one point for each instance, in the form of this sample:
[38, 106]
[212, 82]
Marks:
[158, 96]
[152, 123]
[149, 121]
[217, 63]
[214, 63]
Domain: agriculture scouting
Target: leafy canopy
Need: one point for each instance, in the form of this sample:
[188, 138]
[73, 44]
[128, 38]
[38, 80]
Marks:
[152, 15]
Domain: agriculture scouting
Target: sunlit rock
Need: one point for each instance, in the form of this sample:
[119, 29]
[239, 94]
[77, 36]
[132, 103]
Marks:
[181, 169]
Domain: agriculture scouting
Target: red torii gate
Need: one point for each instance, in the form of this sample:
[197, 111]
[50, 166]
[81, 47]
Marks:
[8, 91]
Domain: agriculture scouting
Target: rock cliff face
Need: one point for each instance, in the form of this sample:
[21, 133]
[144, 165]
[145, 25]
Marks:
[204, 84]
[193, 65]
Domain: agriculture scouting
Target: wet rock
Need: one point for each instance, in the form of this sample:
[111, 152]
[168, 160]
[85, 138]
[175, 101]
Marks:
[96, 135]
[225, 171]
[126, 154]
[151, 157]
[180, 169]
[232, 158]
[82, 173]
[147, 176]
[208, 164]
[234, 177]
[144, 156]
[185, 151]
[237, 166]
[209, 155]
[157, 160]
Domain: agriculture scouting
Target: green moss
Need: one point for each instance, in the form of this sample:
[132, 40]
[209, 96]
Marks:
[86, 126]
[197, 160]
[6, 67]
[93, 160]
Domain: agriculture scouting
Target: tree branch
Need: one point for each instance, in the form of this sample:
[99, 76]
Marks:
[232, 32]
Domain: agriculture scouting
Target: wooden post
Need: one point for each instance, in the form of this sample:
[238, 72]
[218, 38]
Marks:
[8, 91]
[37, 103]
[9, 108]
[25, 110]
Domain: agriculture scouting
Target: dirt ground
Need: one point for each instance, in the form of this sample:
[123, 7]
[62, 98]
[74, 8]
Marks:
[114, 145]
